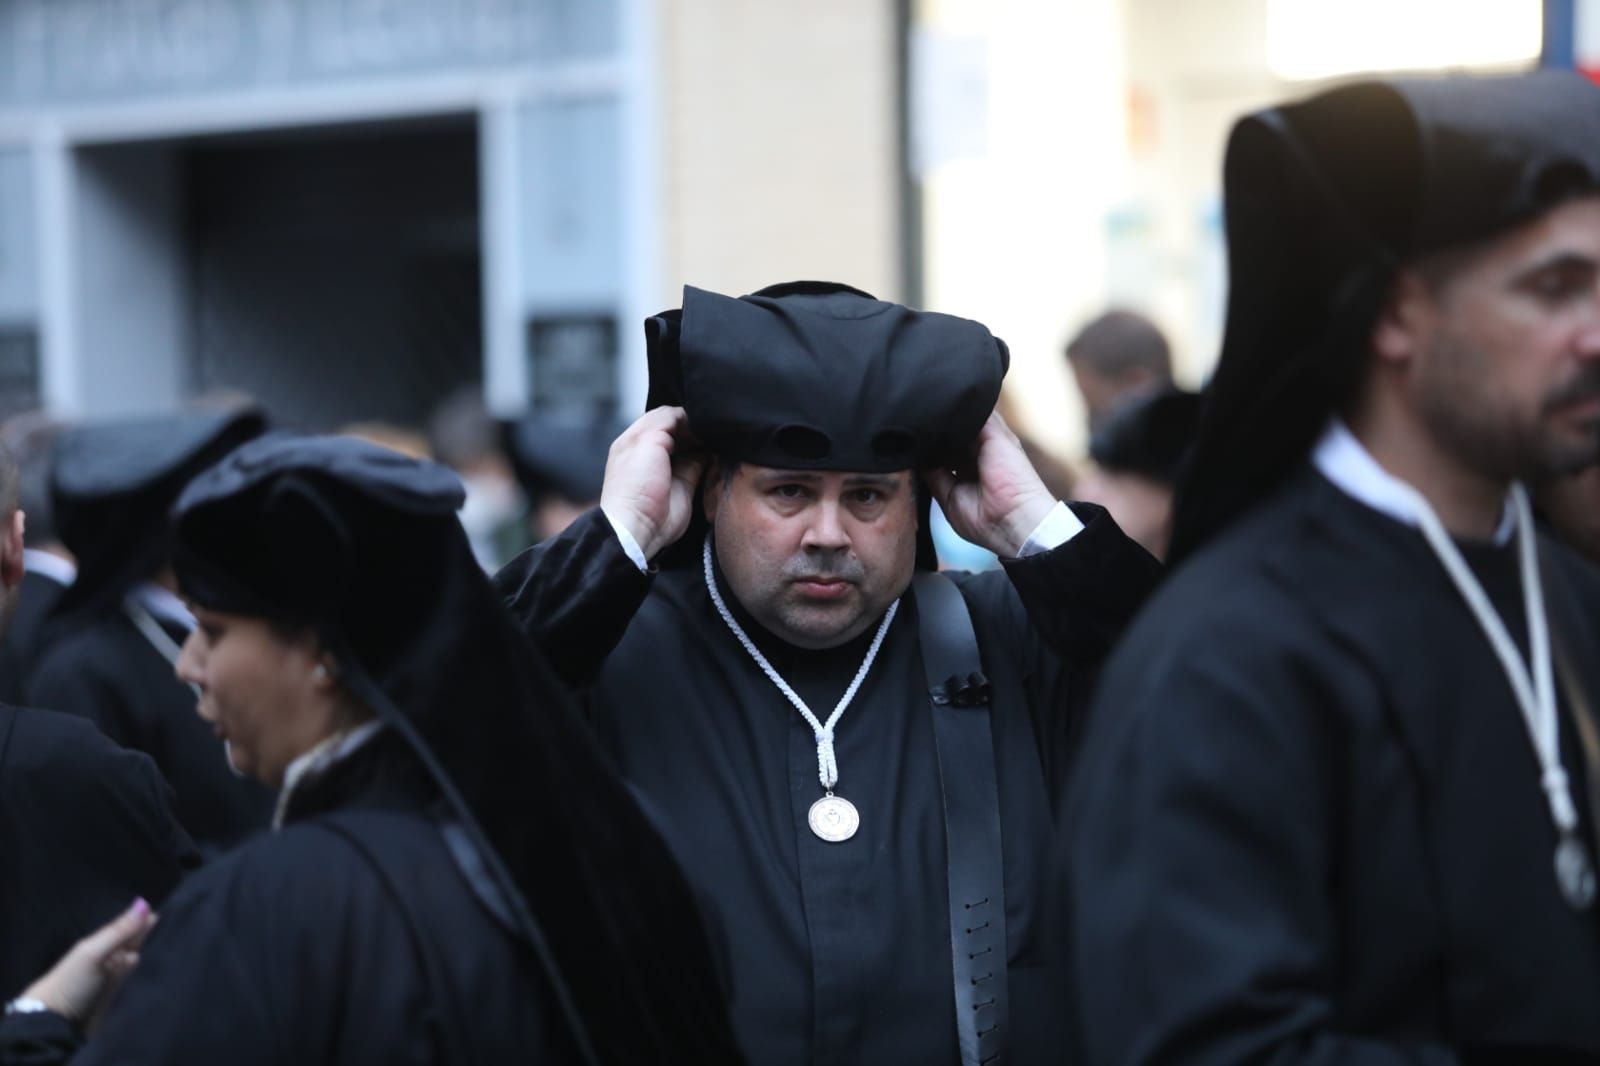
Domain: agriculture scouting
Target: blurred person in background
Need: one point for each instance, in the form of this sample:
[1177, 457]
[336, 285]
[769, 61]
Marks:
[1118, 356]
[407, 442]
[1137, 454]
[456, 874]
[560, 462]
[85, 825]
[49, 568]
[1338, 794]
[110, 644]
[1571, 507]
[465, 437]
[856, 760]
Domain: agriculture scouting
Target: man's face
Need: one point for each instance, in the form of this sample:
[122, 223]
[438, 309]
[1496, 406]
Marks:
[815, 556]
[1506, 376]
[1103, 393]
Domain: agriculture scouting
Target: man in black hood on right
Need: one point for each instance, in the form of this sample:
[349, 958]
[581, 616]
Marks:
[1338, 797]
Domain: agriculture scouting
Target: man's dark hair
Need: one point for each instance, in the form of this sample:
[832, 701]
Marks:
[1119, 341]
[728, 469]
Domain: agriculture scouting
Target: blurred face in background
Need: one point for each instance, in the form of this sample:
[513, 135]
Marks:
[1103, 393]
[553, 513]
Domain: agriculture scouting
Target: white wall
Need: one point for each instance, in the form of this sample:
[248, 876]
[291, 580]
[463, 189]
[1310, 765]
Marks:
[19, 288]
[779, 146]
[1014, 212]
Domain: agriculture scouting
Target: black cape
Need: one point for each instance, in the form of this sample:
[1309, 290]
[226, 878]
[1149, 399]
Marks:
[835, 952]
[85, 827]
[104, 669]
[299, 948]
[1308, 826]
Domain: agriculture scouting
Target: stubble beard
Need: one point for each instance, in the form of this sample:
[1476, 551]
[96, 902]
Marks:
[1570, 459]
[1460, 408]
[816, 625]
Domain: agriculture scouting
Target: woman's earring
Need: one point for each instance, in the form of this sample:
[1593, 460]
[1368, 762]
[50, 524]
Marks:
[319, 672]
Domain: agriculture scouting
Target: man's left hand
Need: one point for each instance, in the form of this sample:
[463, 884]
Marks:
[999, 500]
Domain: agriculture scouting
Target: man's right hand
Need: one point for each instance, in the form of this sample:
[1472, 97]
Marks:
[652, 472]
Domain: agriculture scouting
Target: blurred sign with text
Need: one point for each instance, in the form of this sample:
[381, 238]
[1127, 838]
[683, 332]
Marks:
[74, 51]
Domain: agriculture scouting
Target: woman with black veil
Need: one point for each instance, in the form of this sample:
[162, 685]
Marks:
[457, 875]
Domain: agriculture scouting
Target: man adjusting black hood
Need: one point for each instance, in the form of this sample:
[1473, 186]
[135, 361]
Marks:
[854, 757]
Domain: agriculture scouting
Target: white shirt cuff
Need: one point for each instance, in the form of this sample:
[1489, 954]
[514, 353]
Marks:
[1058, 527]
[629, 545]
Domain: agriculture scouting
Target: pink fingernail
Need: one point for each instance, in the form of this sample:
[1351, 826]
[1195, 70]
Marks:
[140, 907]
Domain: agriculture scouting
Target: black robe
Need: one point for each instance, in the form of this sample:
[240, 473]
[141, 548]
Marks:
[102, 668]
[296, 950]
[85, 827]
[1308, 826]
[835, 953]
[19, 651]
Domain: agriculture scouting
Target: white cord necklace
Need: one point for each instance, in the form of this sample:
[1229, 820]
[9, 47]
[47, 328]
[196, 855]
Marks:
[833, 818]
[1534, 689]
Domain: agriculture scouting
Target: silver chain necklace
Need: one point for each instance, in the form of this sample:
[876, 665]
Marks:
[833, 818]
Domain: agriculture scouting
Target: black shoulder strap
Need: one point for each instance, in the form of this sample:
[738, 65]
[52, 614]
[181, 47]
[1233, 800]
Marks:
[363, 832]
[959, 695]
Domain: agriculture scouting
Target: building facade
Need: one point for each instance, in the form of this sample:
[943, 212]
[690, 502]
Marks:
[349, 208]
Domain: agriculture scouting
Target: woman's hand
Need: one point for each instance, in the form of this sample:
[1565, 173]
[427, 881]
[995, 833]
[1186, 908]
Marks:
[79, 986]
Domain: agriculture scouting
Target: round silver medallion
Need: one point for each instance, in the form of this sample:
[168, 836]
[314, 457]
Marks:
[834, 819]
[1575, 873]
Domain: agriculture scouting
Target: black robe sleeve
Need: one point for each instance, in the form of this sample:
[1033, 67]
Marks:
[1198, 865]
[284, 951]
[76, 685]
[1049, 621]
[574, 595]
[43, 1039]
[85, 827]
[1082, 594]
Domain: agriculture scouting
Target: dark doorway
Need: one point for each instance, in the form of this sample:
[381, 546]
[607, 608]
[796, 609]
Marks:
[335, 272]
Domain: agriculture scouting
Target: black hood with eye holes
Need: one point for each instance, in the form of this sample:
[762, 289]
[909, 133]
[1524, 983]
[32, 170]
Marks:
[813, 375]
